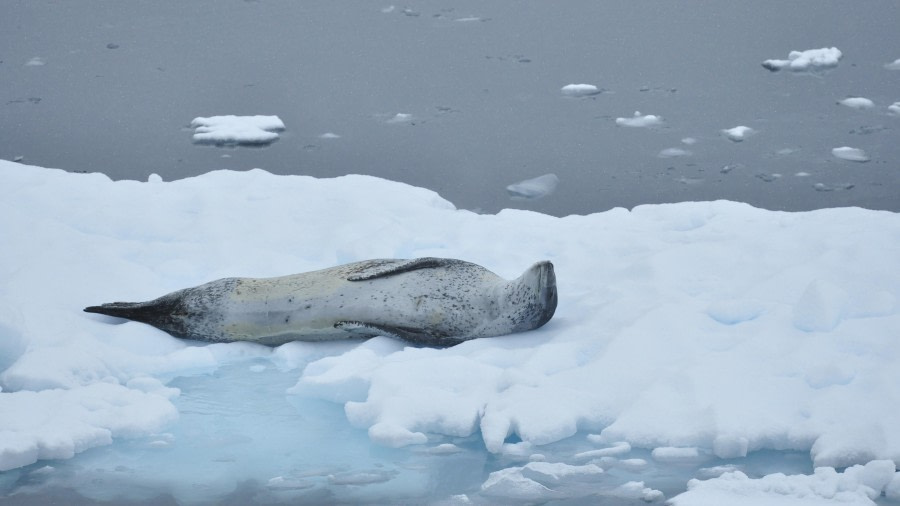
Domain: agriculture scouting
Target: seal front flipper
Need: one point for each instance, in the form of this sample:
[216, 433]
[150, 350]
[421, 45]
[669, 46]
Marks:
[414, 336]
[381, 268]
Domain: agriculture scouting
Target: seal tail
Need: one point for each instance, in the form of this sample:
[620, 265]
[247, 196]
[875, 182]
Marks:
[138, 311]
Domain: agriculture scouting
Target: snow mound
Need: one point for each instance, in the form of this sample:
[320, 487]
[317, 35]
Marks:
[640, 121]
[811, 60]
[532, 189]
[237, 130]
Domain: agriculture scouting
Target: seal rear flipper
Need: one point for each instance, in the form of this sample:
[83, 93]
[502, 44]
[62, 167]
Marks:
[413, 336]
[381, 268]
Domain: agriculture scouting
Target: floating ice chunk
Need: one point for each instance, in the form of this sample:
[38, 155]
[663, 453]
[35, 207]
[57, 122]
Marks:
[614, 451]
[532, 189]
[510, 484]
[444, 449]
[802, 174]
[389, 9]
[894, 65]
[361, 477]
[822, 187]
[820, 308]
[810, 60]
[894, 108]
[637, 490]
[400, 117]
[18, 158]
[674, 152]
[689, 141]
[640, 121]
[552, 473]
[850, 154]
[37, 61]
[580, 90]
[857, 103]
[738, 133]
[329, 135]
[237, 130]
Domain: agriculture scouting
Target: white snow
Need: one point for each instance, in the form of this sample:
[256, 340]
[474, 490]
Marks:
[894, 108]
[579, 90]
[237, 130]
[532, 189]
[811, 60]
[857, 103]
[696, 331]
[894, 65]
[850, 154]
[640, 121]
[738, 133]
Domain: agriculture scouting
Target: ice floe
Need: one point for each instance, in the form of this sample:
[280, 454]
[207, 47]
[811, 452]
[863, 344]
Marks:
[237, 130]
[738, 133]
[580, 90]
[640, 121]
[850, 154]
[532, 189]
[811, 60]
[857, 103]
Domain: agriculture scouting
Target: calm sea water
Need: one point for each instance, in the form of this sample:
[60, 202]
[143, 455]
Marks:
[117, 84]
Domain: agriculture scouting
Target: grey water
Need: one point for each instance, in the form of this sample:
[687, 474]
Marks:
[105, 86]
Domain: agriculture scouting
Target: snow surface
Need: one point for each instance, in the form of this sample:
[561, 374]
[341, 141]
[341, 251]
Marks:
[640, 121]
[532, 189]
[811, 60]
[686, 334]
[738, 133]
[850, 154]
[237, 130]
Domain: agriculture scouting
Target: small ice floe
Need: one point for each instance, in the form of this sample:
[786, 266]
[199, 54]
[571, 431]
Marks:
[810, 60]
[237, 130]
[580, 90]
[400, 118]
[37, 61]
[18, 158]
[850, 154]
[533, 189]
[640, 121]
[673, 153]
[389, 9]
[894, 108]
[822, 187]
[730, 167]
[802, 174]
[329, 135]
[857, 103]
[669, 454]
[689, 141]
[738, 133]
[894, 65]
[768, 178]
[637, 490]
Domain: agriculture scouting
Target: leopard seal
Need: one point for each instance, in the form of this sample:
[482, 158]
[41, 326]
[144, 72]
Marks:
[426, 301]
